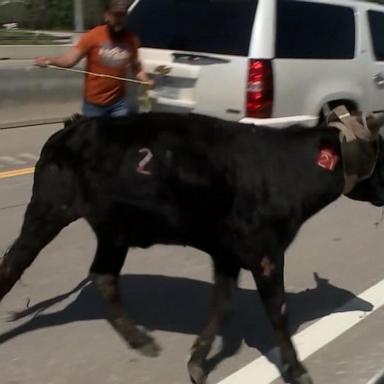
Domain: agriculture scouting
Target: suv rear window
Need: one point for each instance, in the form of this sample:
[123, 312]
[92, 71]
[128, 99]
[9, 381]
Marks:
[376, 23]
[314, 31]
[214, 26]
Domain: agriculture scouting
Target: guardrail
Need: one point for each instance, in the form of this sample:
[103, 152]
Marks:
[50, 39]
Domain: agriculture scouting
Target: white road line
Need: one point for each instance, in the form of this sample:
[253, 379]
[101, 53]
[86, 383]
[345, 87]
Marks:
[12, 160]
[312, 338]
[378, 379]
[28, 156]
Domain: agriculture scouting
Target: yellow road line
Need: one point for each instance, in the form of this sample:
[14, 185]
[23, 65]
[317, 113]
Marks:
[17, 172]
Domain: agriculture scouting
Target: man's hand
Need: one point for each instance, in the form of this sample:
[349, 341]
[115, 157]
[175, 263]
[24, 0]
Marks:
[142, 76]
[150, 84]
[68, 60]
[43, 61]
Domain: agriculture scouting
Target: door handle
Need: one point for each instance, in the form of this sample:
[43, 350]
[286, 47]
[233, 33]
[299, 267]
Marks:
[379, 80]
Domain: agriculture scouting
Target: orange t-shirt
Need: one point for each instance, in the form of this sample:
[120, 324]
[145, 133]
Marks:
[108, 57]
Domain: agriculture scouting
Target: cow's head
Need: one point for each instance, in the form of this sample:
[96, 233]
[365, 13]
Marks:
[371, 187]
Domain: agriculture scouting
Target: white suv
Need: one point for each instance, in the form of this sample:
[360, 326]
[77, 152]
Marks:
[268, 62]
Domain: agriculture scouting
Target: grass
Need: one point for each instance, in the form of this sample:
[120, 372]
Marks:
[25, 38]
[26, 42]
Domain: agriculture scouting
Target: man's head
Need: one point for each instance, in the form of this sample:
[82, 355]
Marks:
[115, 16]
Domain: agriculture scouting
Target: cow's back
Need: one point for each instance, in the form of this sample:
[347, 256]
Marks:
[199, 173]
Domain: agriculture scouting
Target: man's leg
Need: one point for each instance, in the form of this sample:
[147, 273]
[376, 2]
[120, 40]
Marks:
[119, 109]
[92, 110]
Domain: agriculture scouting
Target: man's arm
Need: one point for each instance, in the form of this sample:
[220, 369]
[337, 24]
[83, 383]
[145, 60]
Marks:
[137, 67]
[141, 75]
[68, 60]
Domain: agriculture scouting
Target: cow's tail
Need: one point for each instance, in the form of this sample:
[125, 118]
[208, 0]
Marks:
[54, 205]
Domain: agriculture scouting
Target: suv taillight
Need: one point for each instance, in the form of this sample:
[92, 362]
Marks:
[259, 89]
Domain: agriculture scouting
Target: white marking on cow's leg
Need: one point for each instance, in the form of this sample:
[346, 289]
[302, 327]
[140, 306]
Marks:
[267, 267]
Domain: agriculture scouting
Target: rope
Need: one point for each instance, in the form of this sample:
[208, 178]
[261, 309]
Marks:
[98, 75]
[144, 98]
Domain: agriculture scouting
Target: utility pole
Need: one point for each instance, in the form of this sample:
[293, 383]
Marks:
[78, 16]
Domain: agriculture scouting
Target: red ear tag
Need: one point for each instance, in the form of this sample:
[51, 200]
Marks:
[327, 159]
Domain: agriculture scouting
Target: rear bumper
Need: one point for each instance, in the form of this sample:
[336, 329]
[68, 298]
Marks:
[177, 106]
[279, 122]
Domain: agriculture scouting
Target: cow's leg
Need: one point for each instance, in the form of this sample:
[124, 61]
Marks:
[269, 277]
[109, 259]
[225, 281]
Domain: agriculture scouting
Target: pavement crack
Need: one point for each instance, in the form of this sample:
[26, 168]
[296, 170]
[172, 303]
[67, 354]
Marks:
[13, 206]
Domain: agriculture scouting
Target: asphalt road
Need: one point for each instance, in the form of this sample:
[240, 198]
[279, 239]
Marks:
[334, 272]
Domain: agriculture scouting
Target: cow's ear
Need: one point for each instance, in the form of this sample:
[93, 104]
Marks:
[375, 122]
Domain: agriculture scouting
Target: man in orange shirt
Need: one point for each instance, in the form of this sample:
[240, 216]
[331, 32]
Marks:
[109, 49]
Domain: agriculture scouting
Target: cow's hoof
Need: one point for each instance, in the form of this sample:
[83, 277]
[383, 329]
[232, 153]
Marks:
[150, 349]
[145, 344]
[196, 373]
[296, 374]
[303, 379]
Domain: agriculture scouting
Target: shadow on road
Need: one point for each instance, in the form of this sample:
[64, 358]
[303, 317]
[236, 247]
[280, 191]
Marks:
[181, 305]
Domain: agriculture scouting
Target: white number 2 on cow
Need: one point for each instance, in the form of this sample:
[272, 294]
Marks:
[327, 159]
[144, 162]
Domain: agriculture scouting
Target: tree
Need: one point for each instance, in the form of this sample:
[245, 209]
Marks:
[78, 18]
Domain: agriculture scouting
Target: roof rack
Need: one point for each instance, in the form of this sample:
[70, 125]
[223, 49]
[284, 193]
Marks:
[372, 1]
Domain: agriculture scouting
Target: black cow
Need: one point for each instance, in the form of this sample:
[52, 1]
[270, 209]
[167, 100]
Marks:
[238, 192]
